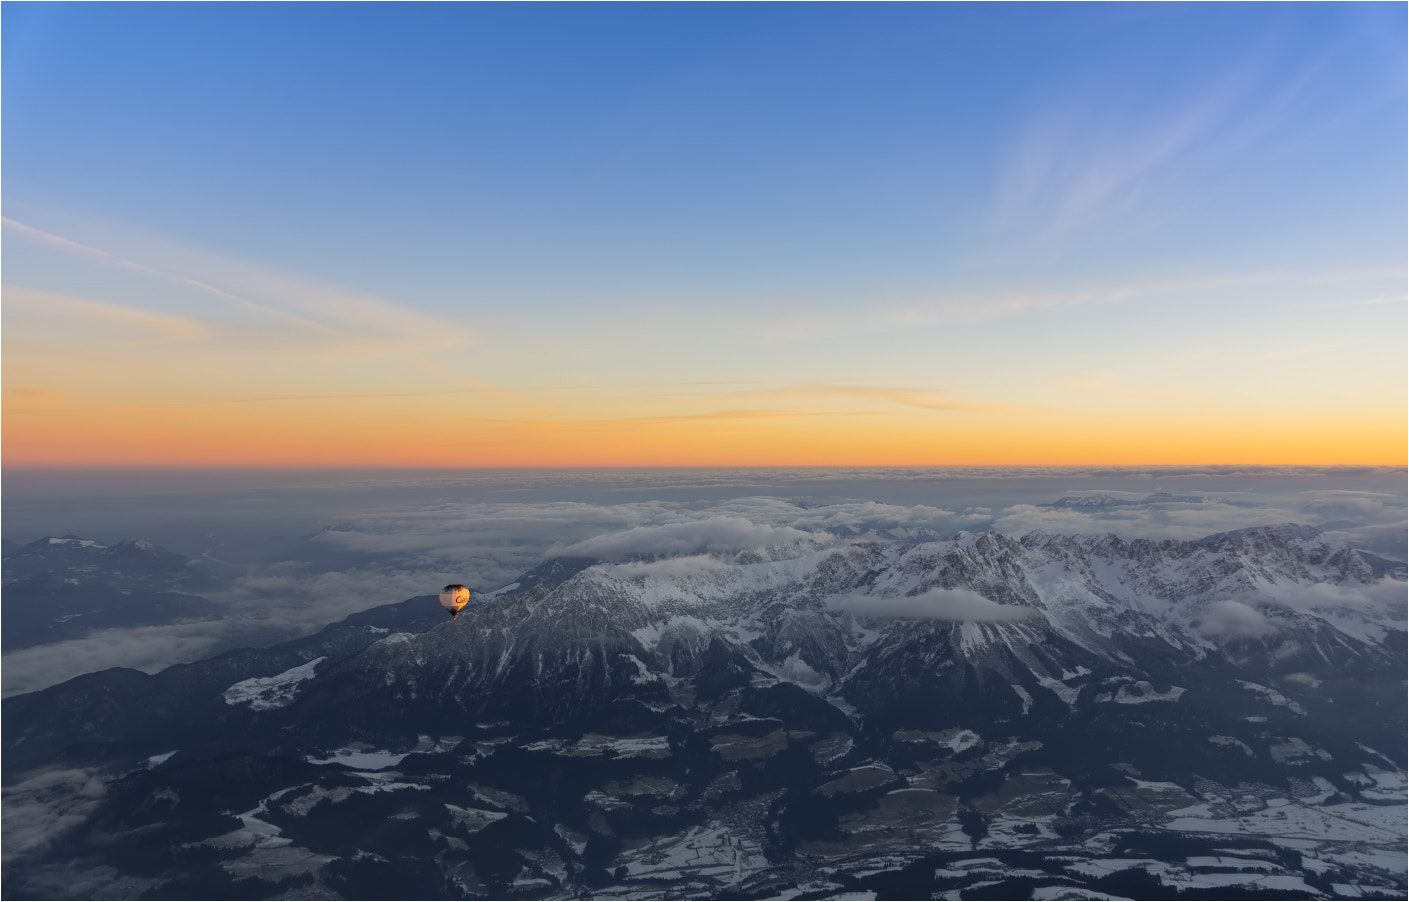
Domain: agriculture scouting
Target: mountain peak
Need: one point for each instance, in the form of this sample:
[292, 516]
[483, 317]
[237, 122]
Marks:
[925, 718]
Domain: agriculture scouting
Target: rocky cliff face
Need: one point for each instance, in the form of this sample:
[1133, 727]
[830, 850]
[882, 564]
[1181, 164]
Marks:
[905, 718]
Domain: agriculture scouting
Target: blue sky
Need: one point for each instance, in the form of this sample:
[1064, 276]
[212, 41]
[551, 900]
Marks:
[1011, 205]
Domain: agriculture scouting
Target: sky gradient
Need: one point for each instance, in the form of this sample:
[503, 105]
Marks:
[462, 235]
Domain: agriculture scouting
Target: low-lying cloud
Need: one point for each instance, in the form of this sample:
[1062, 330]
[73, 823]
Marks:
[669, 568]
[46, 805]
[271, 605]
[1389, 594]
[1376, 524]
[394, 538]
[146, 648]
[715, 534]
[1228, 619]
[1257, 616]
[1179, 520]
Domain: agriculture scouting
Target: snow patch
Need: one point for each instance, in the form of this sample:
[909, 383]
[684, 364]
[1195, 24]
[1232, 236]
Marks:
[1068, 694]
[1233, 743]
[1271, 695]
[1022, 696]
[1139, 693]
[360, 760]
[268, 693]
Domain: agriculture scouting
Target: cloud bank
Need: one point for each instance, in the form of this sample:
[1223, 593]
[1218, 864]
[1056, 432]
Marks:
[669, 568]
[1226, 620]
[715, 534]
[393, 537]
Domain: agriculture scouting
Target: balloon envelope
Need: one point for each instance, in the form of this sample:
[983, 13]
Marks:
[454, 597]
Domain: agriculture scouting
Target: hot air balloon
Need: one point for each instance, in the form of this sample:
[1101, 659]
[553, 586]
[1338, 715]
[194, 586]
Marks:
[453, 598]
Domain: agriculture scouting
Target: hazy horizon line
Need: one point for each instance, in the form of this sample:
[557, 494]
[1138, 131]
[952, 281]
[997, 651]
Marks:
[566, 467]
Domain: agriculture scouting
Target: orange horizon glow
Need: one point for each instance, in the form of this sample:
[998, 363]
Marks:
[100, 384]
[1126, 255]
[35, 438]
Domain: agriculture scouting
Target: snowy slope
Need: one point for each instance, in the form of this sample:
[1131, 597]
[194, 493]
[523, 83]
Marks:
[1045, 612]
[1042, 716]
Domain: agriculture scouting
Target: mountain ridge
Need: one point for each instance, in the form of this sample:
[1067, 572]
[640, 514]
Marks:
[877, 704]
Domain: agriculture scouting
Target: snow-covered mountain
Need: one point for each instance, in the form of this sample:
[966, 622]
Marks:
[66, 587]
[132, 563]
[850, 624]
[1101, 502]
[902, 717]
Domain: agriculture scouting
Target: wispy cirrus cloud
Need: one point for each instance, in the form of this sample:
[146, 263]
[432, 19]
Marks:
[926, 399]
[23, 394]
[961, 305]
[76, 319]
[234, 332]
[349, 321]
[1060, 178]
[807, 400]
[663, 419]
[1098, 157]
[113, 260]
[831, 394]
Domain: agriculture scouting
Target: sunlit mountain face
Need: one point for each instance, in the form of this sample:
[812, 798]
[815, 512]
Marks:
[786, 714]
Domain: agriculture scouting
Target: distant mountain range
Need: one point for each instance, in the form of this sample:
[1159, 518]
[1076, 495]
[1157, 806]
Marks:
[66, 587]
[1105, 502]
[983, 716]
